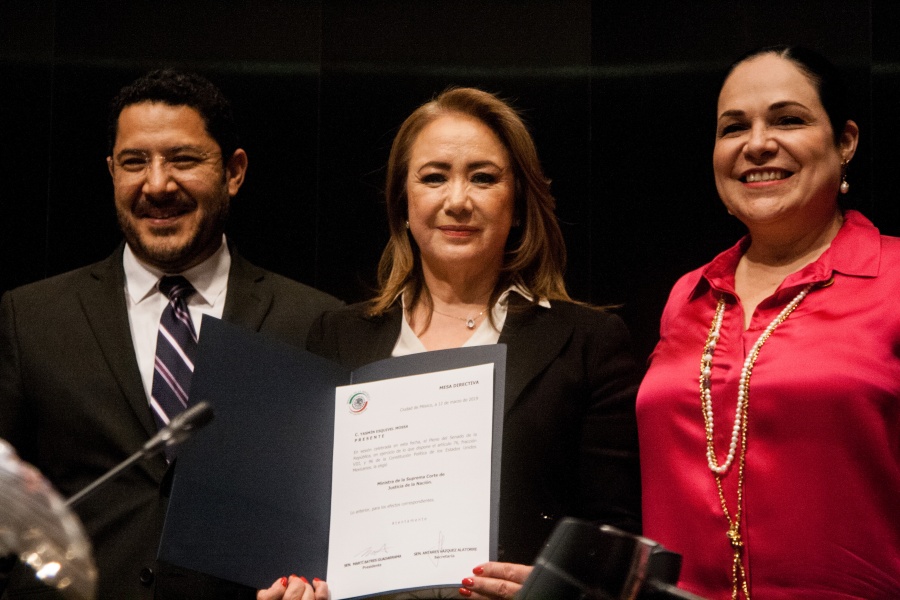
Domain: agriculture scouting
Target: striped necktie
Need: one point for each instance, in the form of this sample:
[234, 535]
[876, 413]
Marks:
[176, 346]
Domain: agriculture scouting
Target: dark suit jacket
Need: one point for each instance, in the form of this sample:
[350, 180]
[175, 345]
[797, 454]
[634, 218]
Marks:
[570, 435]
[72, 403]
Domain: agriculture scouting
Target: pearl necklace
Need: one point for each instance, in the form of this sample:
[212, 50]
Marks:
[743, 384]
[470, 321]
[738, 431]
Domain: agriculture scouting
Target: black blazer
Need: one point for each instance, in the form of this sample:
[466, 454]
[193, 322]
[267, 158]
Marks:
[570, 435]
[73, 404]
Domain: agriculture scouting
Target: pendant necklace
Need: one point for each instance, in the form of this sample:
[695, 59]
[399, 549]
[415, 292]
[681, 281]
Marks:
[738, 432]
[470, 321]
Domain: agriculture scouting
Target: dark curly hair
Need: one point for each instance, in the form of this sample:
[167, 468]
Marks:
[180, 89]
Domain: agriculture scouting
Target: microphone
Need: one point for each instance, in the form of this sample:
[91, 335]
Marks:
[178, 430]
[585, 561]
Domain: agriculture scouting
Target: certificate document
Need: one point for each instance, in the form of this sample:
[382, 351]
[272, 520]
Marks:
[411, 484]
[381, 480]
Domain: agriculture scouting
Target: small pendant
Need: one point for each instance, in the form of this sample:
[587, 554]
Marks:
[470, 323]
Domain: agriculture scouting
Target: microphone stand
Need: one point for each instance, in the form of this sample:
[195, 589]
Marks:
[50, 511]
[178, 430]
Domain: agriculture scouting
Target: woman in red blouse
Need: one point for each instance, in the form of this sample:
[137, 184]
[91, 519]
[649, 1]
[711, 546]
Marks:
[770, 415]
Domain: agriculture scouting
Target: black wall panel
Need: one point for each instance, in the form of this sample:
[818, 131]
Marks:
[620, 98]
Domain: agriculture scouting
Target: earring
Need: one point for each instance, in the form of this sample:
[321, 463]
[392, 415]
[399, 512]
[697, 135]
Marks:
[845, 185]
[407, 224]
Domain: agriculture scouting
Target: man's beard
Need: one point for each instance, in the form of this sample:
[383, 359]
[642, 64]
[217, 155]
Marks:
[176, 258]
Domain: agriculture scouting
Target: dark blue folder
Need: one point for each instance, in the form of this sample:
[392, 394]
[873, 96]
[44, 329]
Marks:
[251, 496]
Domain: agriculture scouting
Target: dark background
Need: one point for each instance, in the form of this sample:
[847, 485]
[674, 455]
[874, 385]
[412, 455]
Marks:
[620, 97]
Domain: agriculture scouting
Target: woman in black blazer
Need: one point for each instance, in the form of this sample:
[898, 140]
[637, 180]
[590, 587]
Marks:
[476, 257]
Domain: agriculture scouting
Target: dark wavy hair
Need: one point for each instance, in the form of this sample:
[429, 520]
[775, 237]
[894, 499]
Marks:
[176, 88]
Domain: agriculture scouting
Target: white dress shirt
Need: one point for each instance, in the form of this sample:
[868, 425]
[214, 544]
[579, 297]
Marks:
[146, 303]
[409, 343]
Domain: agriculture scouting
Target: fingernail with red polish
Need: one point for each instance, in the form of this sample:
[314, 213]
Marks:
[284, 582]
[292, 575]
[465, 592]
[316, 579]
[478, 571]
[303, 579]
[468, 582]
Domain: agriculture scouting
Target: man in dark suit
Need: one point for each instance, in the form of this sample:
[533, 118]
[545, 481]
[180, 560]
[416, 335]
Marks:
[78, 351]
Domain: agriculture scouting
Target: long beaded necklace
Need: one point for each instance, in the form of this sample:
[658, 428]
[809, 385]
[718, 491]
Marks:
[738, 432]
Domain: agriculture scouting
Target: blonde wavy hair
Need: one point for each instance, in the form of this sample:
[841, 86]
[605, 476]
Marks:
[535, 256]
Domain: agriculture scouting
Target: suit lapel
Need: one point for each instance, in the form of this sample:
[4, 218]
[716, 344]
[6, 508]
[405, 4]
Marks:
[534, 337]
[248, 298]
[103, 302]
[378, 342]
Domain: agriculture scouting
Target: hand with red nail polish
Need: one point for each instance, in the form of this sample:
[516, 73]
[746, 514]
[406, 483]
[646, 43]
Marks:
[320, 589]
[295, 588]
[275, 591]
[495, 581]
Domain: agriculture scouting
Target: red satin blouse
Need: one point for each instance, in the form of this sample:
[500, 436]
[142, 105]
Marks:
[821, 515]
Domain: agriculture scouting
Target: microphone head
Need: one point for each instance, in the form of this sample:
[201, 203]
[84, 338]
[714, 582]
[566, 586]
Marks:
[586, 561]
[196, 416]
[183, 425]
[180, 428]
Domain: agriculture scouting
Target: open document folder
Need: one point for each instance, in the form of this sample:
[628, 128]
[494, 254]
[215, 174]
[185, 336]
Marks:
[380, 480]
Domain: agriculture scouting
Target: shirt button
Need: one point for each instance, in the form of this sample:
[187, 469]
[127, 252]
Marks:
[147, 576]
